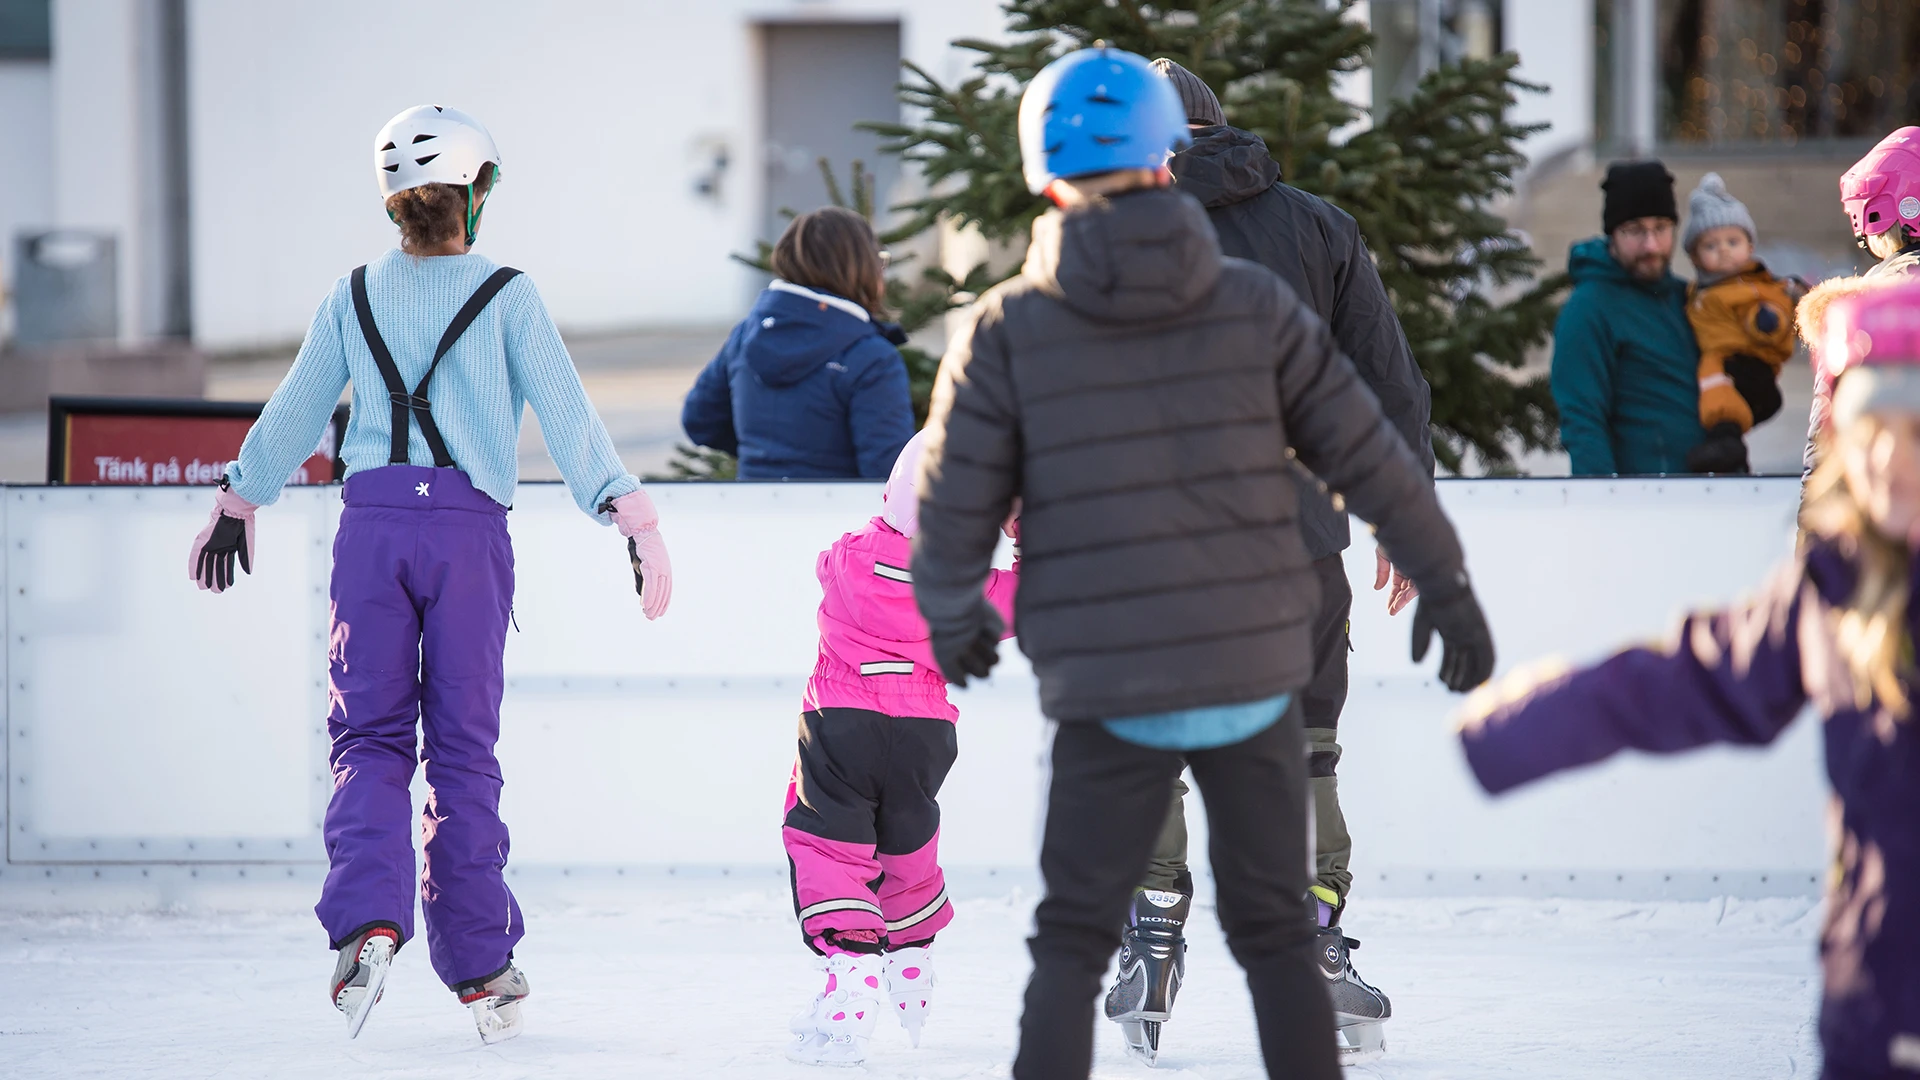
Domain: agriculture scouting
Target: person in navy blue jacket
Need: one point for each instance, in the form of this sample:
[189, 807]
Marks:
[810, 384]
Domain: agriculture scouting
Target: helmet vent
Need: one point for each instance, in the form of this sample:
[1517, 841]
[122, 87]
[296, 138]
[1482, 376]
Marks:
[1109, 140]
[424, 160]
[1105, 99]
[387, 147]
[422, 138]
[1875, 216]
[391, 168]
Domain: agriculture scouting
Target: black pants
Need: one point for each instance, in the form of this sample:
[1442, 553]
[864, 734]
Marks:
[1106, 805]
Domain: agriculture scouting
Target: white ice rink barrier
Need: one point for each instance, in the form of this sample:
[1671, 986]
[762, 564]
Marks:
[157, 732]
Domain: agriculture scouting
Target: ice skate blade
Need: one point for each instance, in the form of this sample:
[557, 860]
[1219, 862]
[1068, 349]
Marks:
[1143, 1040]
[833, 1053]
[497, 1020]
[358, 1001]
[1361, 1043]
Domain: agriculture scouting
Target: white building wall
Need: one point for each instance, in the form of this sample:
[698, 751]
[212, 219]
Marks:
[605, 113]
[26, 147]
[1555, 41]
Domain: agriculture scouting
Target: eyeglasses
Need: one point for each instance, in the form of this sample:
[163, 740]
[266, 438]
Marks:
[1633, 230]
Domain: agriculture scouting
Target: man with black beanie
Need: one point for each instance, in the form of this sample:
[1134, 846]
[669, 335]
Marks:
[1625, 365]
[1317, 249]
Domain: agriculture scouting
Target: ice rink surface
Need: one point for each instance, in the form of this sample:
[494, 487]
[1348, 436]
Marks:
[698, 978]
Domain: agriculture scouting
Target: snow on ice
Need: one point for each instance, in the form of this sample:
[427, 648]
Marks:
[698, 979]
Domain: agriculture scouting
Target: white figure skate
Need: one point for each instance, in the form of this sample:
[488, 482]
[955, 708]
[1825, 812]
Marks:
[910, 984]
[360, 974]
[836, 1027]
[496, 1004]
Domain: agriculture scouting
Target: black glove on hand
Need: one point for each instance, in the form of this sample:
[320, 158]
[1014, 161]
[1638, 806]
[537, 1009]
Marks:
[970, 649]
[1755, 381]
[214, 565]
[1722, 451]
[1467, 660]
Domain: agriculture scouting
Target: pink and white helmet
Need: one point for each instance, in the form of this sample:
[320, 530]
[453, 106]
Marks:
[1873, 346]
[901, 498]
[1883, 189]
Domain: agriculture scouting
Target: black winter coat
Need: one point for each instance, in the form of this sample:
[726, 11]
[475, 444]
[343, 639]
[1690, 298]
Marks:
[1144, 397]
[1315, 247]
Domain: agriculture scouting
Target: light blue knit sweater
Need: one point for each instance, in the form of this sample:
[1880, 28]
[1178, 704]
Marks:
[511, 355]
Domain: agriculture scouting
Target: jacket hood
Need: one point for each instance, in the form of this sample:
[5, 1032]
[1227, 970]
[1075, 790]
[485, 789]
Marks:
[792, 331]
[1224, 166]
[1137, 257]
[1810, 315]
[1590, 261]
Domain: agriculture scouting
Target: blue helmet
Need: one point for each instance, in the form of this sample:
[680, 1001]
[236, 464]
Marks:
[1094, 111]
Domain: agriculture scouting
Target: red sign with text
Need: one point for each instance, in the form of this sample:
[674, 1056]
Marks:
[104, 448]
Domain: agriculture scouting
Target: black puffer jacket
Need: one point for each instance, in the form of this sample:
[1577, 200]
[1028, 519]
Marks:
[1316, 248]
[1140, 393]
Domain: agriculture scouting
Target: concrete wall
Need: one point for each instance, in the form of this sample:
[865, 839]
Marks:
[155, 730]
[26, 145]
[606, 113]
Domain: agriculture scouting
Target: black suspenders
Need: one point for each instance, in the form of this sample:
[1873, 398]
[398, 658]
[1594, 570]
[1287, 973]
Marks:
[416, 404]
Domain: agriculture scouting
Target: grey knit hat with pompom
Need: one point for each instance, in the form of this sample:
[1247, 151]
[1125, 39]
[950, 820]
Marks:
[1711, 207]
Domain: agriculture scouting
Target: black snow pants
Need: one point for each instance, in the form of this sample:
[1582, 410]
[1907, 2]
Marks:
[1106, 805]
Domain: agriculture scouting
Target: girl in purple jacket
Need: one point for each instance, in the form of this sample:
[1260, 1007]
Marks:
[1835, 629]
[862, 828]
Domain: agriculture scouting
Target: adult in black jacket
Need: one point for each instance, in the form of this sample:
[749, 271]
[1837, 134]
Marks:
[1316, 249]
[1140, 394]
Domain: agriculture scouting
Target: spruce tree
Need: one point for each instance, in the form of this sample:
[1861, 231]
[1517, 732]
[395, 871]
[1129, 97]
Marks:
[1420, 181]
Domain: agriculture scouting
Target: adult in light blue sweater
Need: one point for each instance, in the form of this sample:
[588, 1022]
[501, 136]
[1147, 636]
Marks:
[443, 350]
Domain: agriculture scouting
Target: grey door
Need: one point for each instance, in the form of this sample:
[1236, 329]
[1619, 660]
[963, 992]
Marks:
[821, 79]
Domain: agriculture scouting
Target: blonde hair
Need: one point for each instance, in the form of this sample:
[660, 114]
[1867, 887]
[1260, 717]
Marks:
[1871, 629]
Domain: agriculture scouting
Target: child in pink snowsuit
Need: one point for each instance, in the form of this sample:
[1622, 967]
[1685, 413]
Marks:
[876, 740]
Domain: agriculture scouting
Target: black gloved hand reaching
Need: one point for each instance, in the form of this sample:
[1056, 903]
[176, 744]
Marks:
[1754, 380]
[1466, 660]
[971, 648]
[1722, 452]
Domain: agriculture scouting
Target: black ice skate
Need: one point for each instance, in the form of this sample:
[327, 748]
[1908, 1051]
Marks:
[1153, 960]
[1360, 1012]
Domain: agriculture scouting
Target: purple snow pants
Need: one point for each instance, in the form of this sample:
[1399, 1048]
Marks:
[422, 585]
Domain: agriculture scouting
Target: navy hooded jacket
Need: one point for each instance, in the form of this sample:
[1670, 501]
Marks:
[807, 386]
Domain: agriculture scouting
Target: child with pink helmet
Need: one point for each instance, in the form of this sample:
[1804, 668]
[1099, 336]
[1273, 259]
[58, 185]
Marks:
[862, 827]
[1834, 628]
[1881, 195]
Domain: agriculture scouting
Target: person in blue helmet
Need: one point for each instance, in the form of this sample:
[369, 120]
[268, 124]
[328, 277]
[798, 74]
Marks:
[1145, 399]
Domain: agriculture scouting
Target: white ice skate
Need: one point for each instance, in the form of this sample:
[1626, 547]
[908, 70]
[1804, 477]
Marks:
[496, 1004]
[836, 1027]
[360, 974]
[910, 984]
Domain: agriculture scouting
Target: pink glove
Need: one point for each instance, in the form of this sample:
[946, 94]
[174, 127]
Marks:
[633, 514]
[229, 533]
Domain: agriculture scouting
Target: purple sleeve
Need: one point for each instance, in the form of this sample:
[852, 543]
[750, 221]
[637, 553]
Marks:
[1730, 676]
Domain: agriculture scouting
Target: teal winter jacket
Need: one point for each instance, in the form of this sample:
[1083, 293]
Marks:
[1625, 369]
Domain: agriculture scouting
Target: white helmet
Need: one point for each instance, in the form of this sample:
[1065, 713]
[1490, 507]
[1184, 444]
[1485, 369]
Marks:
[430, 144]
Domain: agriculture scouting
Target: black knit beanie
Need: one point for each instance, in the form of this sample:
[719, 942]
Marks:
[1195, 95]
[1637, 189]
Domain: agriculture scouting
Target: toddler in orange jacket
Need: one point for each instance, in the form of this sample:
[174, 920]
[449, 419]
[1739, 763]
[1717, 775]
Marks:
[1742, 318]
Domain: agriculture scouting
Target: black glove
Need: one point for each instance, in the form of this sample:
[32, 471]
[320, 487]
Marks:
[214, 565]
[1722, 451]
[1467, 660]
[1754, 380]
[970, 649]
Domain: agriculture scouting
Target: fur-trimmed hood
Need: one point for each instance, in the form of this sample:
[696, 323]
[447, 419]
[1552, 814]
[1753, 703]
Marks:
[1811, 314]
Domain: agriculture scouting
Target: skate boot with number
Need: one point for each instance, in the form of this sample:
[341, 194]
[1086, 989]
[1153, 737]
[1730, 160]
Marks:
[495, 1002]
[1153, 960]
[836, 1027]
[910, 984]
[1360, 1012]
[360, 973]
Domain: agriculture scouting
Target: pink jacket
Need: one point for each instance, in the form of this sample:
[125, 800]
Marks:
[874, 652]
